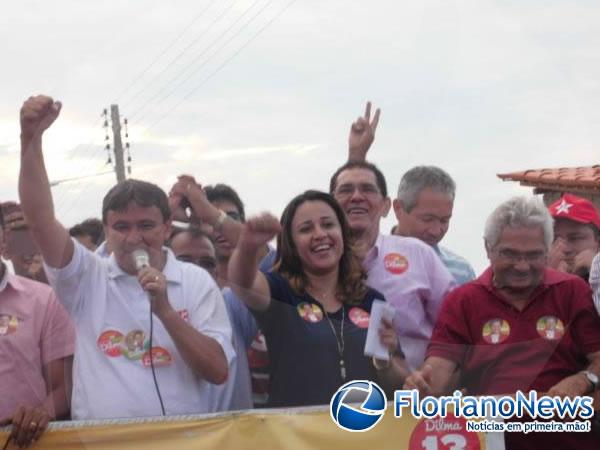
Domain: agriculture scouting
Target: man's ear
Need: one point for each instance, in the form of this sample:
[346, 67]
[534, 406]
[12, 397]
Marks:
[387, 204]
[398, 208]
[488, 249]
[168, 230]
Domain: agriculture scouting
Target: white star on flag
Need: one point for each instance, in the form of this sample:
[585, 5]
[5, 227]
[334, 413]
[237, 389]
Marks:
[563, 207]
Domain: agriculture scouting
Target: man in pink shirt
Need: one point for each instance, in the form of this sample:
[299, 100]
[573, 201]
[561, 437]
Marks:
[405, 270]
[37, 341]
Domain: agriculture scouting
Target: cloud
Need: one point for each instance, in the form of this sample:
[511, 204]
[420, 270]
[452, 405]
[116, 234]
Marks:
[475, 86]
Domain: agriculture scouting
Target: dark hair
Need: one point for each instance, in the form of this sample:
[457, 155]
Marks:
[379, 178]
[351, 278]
[91, 227]
[142, 193]
[223, 192]
[193, 231]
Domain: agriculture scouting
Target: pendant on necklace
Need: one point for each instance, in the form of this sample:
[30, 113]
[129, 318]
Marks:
[342, 370]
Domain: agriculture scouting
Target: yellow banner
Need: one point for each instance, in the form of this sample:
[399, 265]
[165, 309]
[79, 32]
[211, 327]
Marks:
[299, 428]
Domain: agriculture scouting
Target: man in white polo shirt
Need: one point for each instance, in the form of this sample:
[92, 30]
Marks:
[128, 362]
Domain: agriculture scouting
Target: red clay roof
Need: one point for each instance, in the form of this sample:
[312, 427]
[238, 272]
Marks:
[573, 179]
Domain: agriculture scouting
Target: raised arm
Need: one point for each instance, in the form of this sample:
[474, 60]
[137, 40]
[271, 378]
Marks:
[246, 280]
[362, 134]
[37, 114]
[203, 210]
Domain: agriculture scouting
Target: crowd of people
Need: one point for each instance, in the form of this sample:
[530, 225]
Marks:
[178, 304]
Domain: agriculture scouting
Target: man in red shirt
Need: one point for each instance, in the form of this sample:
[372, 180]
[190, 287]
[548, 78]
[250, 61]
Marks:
[576, 235]
[519, 326]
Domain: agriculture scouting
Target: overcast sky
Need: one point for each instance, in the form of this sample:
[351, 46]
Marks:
[260, 94]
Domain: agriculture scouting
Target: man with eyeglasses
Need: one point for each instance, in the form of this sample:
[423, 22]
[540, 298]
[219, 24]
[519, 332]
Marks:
[424, 202]
[406, 270]
[576, 235]
[519, 326]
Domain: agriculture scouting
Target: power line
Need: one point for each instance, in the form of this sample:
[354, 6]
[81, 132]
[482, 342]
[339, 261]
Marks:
[78, 196]
[66, 180]
[180, 54]
[218, 69]
[89, 149]
[163, 98]
[94, 162]
[164, 52]
[83, 163]
[204, 81]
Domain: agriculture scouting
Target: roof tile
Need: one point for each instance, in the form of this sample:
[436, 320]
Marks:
[580, 178]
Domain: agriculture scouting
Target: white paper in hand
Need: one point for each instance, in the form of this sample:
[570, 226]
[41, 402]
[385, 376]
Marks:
[373, 345]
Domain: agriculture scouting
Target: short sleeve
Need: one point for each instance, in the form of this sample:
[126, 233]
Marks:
[68, 281]
[208, 314]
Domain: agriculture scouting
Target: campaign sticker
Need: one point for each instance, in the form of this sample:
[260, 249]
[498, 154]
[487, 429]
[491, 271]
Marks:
[310, 312]
[110, 343]
[135, 345]
[395, 263]
[8, 324]
[448, 432]
[359, 317]
[160, 357]
[550, 327]
[495, 331]
[257, 352]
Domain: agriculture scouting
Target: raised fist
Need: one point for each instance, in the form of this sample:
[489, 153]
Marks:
[259, 230]
[37, 114]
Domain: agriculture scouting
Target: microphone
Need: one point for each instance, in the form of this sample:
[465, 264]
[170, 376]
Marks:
[140, 258]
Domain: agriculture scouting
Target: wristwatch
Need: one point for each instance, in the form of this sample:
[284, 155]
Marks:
[592, 378]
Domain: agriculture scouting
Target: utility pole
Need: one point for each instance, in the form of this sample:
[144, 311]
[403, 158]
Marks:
[118, 144]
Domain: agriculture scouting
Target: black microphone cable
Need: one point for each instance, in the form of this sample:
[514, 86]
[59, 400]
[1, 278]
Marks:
[141, 260]
[162, 406]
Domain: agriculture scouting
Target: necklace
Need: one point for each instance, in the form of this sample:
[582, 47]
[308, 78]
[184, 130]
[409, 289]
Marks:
[339, 342]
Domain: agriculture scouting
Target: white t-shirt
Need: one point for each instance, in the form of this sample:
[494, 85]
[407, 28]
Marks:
[111, 374]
